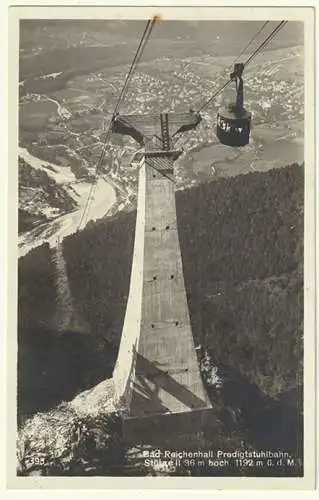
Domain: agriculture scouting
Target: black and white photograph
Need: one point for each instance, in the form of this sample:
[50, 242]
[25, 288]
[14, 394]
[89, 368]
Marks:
[161, 246]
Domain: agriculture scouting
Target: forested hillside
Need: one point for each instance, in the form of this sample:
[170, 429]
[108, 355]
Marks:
[242, 246]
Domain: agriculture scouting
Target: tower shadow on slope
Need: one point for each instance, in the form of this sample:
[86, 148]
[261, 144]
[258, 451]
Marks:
[54, 366]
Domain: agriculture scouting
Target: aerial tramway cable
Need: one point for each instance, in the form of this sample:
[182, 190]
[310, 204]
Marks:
[266, 42]
[246, 46]
[139, 52]
[226, 68]
[137, 57]
[260, 47]
[269, 38]
[250, 41]
[243, 50]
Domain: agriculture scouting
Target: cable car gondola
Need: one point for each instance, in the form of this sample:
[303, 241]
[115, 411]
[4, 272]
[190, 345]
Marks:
[234, 121]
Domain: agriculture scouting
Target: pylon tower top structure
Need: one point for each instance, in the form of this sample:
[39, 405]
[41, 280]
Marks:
[155, 132]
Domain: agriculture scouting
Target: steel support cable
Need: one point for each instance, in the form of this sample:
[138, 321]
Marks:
[216, 94]
[226, 68]
[274, 32]
[137, 57]
[135, 62]
[266, 42]
[139, 54]
[206, 104]
[251, 41]
[239, 55]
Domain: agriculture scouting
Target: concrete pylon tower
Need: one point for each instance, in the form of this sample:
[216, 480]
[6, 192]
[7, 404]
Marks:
[157, 378]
